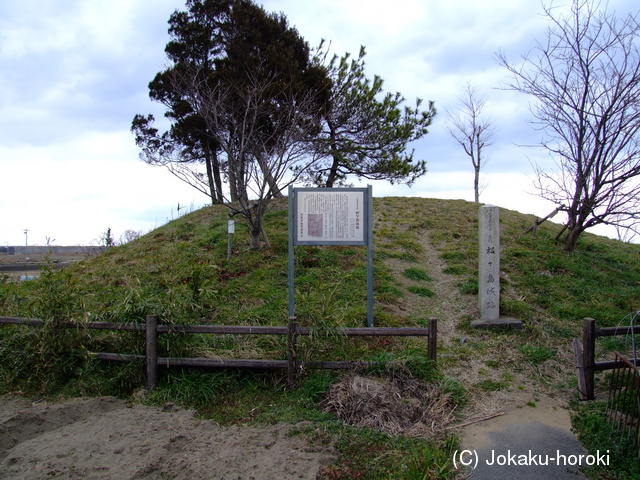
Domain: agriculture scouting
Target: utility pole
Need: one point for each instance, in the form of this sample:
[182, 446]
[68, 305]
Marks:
[26, 237]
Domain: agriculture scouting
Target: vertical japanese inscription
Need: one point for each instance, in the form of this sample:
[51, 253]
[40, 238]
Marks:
[489, 266]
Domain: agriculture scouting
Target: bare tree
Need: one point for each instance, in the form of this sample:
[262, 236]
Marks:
[267, 142]
[129, 236]
[473, 130]
[585, 82]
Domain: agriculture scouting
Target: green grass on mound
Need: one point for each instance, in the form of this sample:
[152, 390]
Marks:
[180, 272]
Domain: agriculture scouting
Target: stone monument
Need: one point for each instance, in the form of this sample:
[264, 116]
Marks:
[489, 270]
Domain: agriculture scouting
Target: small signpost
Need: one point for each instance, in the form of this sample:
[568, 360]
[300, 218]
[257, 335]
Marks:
[231, 229]
[331, 216]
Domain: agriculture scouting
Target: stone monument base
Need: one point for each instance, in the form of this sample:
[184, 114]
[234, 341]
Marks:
[502, 322]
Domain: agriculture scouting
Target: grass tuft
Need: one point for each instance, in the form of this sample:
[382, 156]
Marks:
[417, 274]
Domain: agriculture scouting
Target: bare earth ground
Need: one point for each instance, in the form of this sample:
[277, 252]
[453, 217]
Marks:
[107, 438]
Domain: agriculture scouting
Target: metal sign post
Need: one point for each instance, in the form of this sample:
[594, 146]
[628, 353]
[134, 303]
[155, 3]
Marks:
[331, 216]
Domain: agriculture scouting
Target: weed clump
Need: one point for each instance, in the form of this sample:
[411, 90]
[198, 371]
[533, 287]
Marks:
[397, 404]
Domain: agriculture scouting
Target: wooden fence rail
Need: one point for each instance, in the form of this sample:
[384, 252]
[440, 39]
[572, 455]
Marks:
[585, 354]
[292, 331]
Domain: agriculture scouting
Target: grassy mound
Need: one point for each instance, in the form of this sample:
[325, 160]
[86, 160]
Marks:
[425, 262]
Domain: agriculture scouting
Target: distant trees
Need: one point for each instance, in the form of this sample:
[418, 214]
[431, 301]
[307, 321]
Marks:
[473, 130]
[585, 83]
[107, 239]
[129, 236]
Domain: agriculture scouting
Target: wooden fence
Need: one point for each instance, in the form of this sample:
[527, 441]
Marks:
[585, 351]
[152, 329]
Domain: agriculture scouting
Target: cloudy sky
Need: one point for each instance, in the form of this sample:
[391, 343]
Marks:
[73, 73]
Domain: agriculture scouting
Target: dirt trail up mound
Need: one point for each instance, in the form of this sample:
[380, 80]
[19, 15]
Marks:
[107, 438]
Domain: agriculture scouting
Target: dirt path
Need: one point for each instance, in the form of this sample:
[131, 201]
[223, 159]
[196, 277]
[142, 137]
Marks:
[451, 308]
[107, 438]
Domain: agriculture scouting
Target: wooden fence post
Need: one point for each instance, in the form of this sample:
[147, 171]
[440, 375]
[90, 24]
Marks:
[577, 353]
[433, 339]
[589, 356]
[151, 330]
[291, 352]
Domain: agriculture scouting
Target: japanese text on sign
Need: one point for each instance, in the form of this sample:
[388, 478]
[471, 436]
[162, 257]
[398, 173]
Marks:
[330, 216]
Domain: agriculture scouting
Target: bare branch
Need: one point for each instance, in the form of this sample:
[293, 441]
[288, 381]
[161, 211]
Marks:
[585, 80]
[267, 141]
[473, 130]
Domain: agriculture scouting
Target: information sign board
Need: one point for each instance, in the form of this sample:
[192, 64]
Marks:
[331, 216]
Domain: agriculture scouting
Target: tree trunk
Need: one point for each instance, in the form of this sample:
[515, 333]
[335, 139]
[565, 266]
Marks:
[476, 184]
[237, 186]
[571, 239]
[333, 172]
[254, 239]
[213, 192]
[255, 220]
[233, 190]
[275, 191]
[241, 182]
[476, 168]
[217, 177]
[577, 214]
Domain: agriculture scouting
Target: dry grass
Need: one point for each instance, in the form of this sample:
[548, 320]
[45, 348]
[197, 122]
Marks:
[396, 404]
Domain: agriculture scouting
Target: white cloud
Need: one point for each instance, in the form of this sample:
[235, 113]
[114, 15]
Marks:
[74, 73]
[73, 192]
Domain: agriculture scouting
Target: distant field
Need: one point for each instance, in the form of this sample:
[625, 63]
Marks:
[21, 264]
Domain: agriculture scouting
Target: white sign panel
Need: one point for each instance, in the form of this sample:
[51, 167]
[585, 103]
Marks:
[332, 216]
